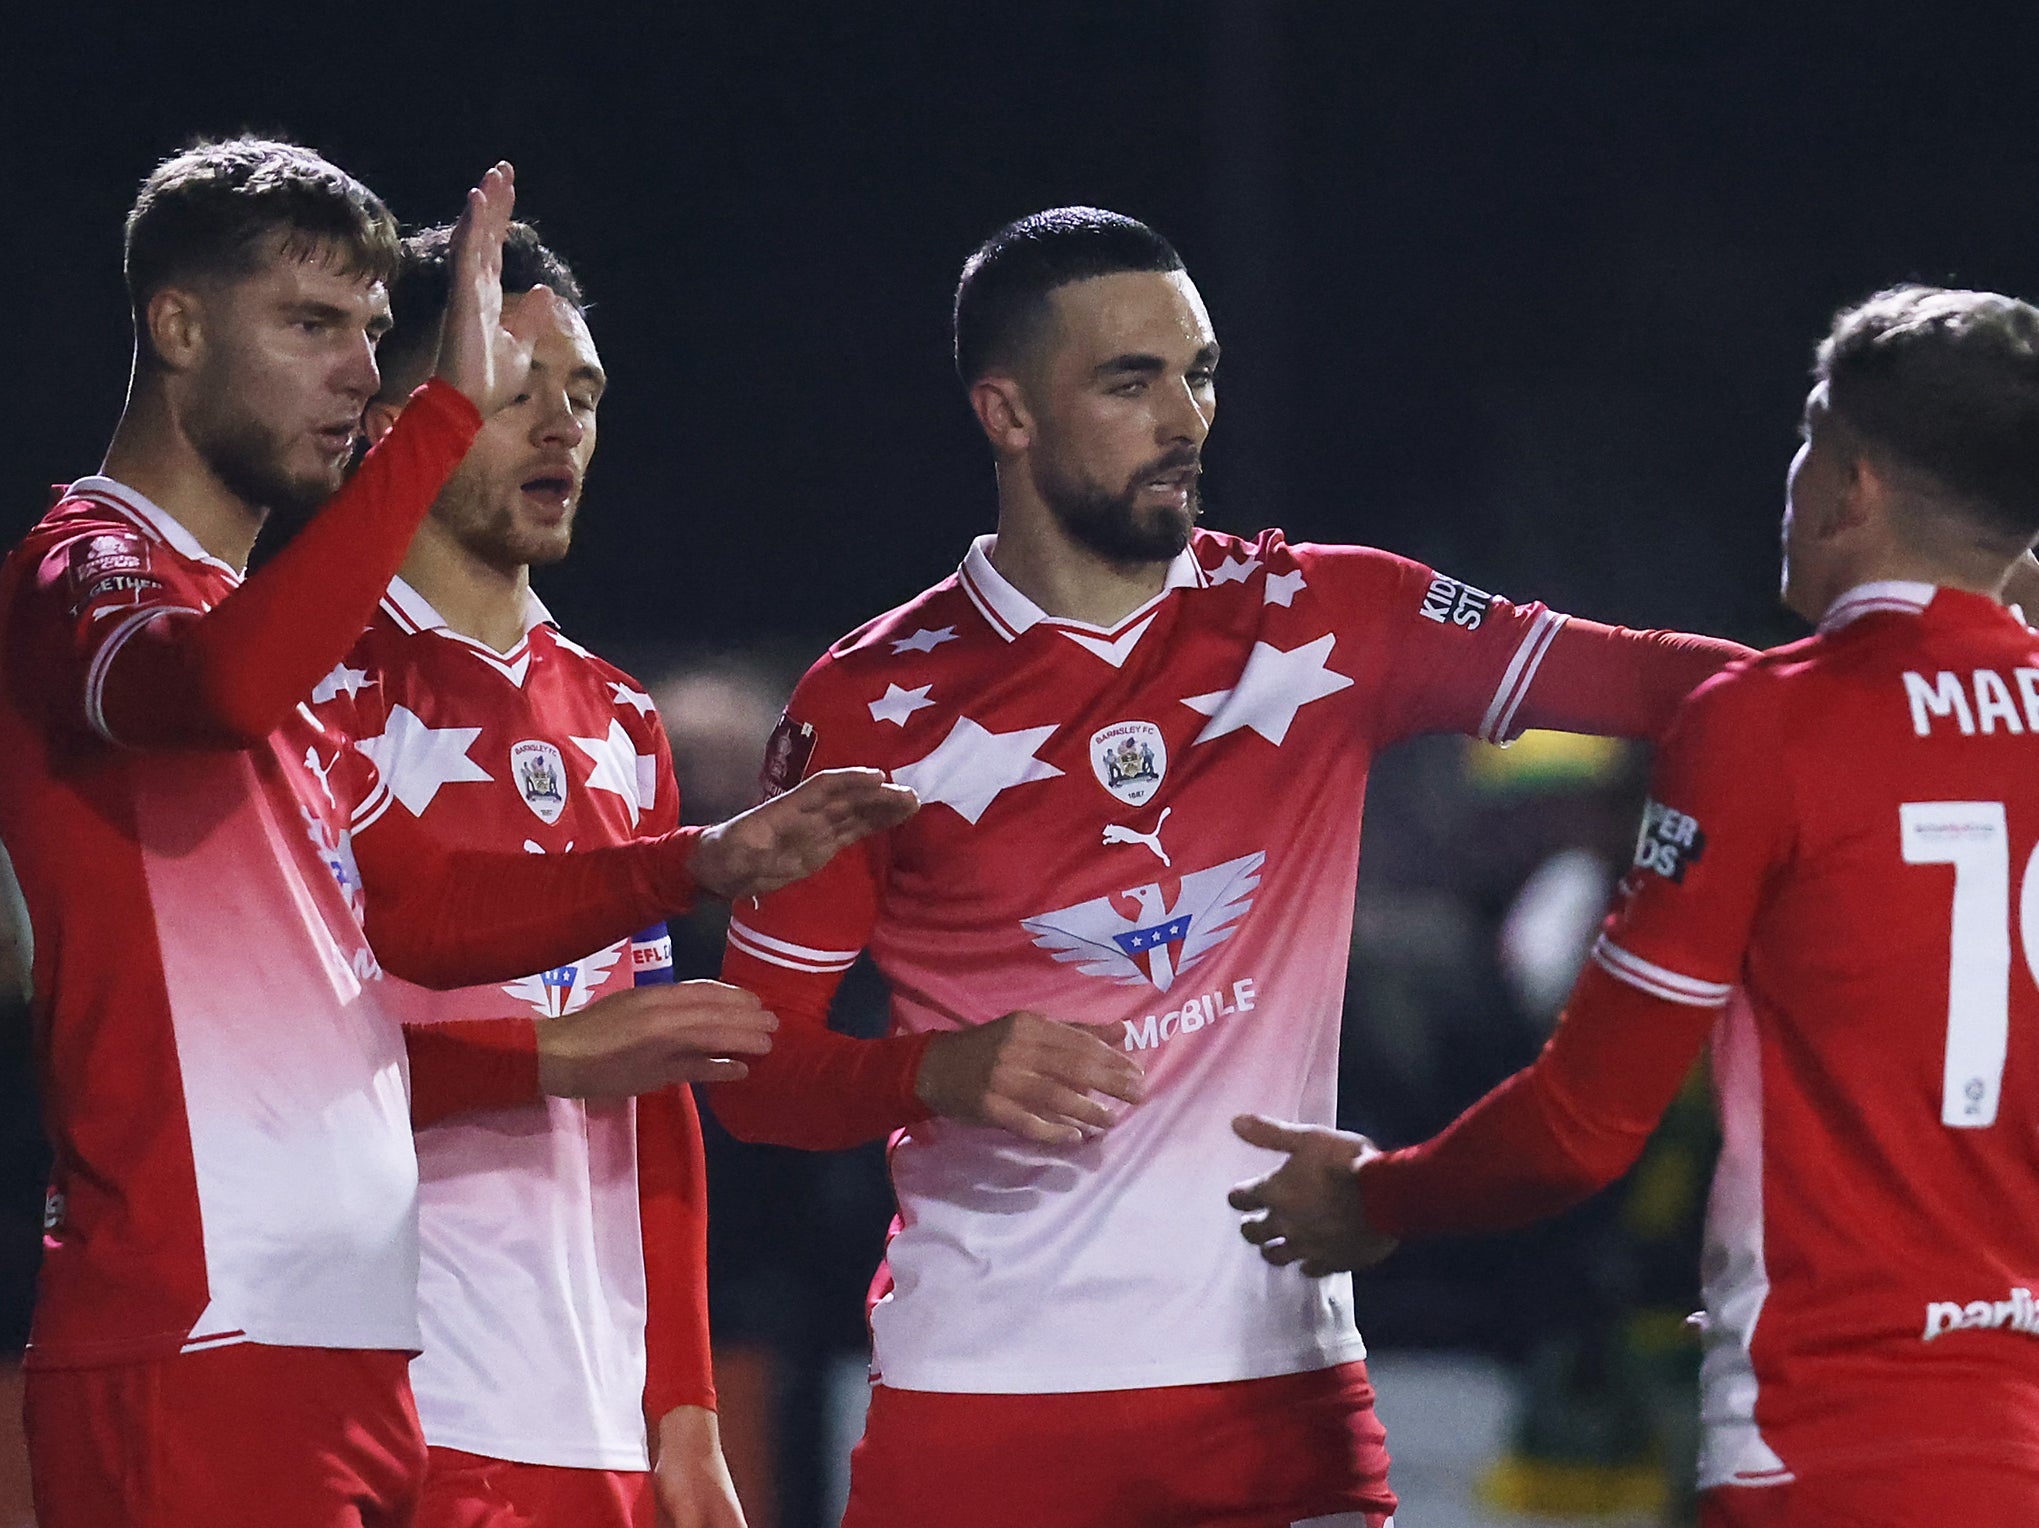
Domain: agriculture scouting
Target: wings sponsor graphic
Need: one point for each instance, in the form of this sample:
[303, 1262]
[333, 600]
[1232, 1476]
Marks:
[1160, 939]
[566, 989]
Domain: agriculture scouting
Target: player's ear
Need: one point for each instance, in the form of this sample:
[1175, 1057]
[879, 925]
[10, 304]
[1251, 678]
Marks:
[173, 328]
[1002, 412]
[379, 418]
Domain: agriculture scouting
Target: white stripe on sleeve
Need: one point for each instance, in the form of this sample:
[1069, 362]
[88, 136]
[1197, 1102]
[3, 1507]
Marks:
[1659, 981]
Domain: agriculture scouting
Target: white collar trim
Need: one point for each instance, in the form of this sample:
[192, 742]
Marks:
[417, 612]
[1010, 612]
[152, 517]
[1899, 594]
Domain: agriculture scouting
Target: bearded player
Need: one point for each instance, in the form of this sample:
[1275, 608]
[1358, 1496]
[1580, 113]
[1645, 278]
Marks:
[1847, 831]
[231, 1248]
[562, 1294]
[1123, 911]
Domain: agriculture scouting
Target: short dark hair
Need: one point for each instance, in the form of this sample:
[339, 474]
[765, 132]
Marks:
[1005, 284]
[423, 285]
[207, 210]
[1947, 383]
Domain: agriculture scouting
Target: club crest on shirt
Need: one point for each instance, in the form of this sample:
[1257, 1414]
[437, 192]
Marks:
[1451, 603]
[1130, 759]
[540, 774]
[1669, 843]
[1141, 936]
[787, 754]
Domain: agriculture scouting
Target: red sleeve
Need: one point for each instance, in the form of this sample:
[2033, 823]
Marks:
[470, 1064]
[444, 917]
[672, 1188]
[1459, 659]
[1715, 834]
[817, 1089]
[1614, 682]
[227, 678]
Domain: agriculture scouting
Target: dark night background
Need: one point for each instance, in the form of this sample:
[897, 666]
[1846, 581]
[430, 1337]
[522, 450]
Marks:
[1527, 291]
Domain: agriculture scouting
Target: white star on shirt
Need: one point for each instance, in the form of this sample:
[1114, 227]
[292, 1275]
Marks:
[923, 641]
[972, 766]
[1274, 686]
[342, 681]
[637, 700]
[414, 760]
[897, 704]
[1234, 570]
[619, 767]
[1281, 588]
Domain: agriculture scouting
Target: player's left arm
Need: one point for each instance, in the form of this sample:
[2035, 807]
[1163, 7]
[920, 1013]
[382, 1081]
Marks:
[1714, 833]
[1460, 659]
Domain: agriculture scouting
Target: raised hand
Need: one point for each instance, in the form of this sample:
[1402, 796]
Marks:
[640, 1040]
[1310, 1210]
[795, 834]
[1031, 1076]
[485, 358]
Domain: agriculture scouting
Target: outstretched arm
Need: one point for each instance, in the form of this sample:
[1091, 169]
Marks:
[445, 917]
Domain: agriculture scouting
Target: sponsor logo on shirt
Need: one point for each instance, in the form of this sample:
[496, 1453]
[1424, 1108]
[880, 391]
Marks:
[1206, 1008]
[1669, 842]
[1451, 603]
[2020, 1313]
[1130, 759]
[566, 989]
[787, 753]
[1142, 937]
[540, 774]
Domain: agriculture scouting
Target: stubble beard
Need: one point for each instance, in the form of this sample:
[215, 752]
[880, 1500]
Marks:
[1112, 524]
[248, 456]
[486, 527]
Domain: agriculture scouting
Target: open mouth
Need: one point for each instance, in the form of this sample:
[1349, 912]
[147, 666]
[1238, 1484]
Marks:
[335, 439]
[552, 492]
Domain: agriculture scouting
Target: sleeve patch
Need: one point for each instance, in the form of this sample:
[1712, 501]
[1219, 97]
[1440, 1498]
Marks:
[787, 754]
[1670, 841]
[111, 562]
[1451, 603]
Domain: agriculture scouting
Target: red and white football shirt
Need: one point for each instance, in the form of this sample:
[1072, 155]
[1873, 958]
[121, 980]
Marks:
[537, 1223]
[226, 1097]
[1154, 826]
[1847, 831]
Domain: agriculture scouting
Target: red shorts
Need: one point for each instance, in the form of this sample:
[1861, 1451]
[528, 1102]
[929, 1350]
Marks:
[1958, 1493]
[474, 1491]
[246, 1436]
[1259, 1453]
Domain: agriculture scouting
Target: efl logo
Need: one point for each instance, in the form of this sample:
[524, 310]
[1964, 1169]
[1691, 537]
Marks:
[1669, 841]
[1451, 603]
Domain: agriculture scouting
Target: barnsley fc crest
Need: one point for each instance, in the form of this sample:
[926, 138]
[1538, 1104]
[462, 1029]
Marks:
[1129, 760]
[540, 774]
